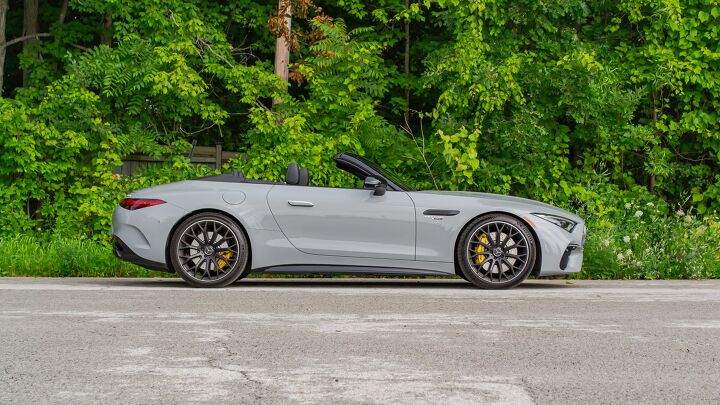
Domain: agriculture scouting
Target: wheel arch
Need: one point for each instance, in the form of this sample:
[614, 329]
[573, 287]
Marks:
[538, 258]
[206, 211]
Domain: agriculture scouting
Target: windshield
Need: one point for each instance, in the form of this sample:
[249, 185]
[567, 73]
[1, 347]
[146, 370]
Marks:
[387, 174]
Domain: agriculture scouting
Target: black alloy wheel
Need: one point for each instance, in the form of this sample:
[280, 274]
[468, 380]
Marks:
[496, 251]
[209, 250]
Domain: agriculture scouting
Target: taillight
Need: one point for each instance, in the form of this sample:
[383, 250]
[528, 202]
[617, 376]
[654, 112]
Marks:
[133, 204]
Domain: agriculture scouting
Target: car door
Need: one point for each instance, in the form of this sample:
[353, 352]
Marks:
[345, 222]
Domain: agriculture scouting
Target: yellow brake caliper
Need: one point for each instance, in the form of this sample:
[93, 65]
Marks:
[480, 248]
[227, 255]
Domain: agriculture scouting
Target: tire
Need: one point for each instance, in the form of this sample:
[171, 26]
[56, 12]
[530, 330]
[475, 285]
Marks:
[459, 272]
[496, 251]
[209, 250]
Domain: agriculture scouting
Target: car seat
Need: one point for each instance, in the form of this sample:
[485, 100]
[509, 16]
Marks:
[292, 175]
[303, 177]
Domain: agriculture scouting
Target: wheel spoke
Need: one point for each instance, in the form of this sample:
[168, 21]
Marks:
[189, 259]
[491, 238]
[500, 229]
[228, 262]
[480, 266]
[501, 270]
[197, 266]
[218, 243]
[207, 268]
[518, 257]
[490, 269]
[217, 266]
[509, 237]
[510, 266]
[483, 244]
[192, 237]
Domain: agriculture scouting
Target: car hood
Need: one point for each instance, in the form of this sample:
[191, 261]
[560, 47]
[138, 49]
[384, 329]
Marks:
[530, 206]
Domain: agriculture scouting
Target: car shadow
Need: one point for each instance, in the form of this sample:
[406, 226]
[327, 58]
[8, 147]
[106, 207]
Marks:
[347, 282]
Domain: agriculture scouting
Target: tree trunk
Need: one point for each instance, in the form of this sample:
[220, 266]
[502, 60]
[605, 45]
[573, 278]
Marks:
[106, 35]
[282, 45]
[3, 14]
[30, 27]
[407, 67]
[63, 11]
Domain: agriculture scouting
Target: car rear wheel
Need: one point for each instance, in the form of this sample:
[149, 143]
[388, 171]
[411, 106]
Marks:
[209, 250]
[496, 251]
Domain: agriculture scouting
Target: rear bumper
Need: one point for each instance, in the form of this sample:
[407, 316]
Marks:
[123, 252]
[145, 232]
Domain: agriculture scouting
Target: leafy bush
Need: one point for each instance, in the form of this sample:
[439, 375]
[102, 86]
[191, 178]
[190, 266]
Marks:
[585, 105]
[644, 242]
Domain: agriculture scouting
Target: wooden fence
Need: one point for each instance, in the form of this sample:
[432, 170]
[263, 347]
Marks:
[213, 156]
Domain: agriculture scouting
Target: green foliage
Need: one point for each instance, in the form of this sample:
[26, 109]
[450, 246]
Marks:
[587, 105]
[644, 242]
[345, 79]
[55, 256]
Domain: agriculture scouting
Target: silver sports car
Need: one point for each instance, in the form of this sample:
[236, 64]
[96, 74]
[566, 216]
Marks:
[215, 230]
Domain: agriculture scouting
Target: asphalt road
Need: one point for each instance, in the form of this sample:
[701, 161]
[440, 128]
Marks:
[358, 341]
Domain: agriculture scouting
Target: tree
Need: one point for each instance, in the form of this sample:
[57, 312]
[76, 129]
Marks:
[282, 44]
[30, 28]
[3, 19]
[106, 34]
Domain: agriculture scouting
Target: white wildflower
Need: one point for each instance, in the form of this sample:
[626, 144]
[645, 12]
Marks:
[635, 236]
[626, 239]
[680, 213]
[628, 252]
[620, 256]
[628, 206]
[650, 204]
[638, 214]
[606, 242]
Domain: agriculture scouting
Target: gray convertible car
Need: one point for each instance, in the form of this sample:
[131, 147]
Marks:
[215, 230]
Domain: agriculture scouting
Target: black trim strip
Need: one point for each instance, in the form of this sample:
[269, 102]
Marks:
[356, 167]
[123, 252]
[326, 269]
[441, 213]
[566, 255]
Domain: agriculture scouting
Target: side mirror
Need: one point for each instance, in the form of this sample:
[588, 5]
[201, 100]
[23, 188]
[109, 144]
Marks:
[378, 186]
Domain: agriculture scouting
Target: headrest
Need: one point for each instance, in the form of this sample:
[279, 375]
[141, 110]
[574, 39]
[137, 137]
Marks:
[303, 178]
[293, 174]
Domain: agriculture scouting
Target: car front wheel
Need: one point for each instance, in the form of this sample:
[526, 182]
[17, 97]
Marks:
[209, 250]
[496, 251]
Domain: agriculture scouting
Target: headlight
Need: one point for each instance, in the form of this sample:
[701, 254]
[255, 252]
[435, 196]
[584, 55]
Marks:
[563, 223]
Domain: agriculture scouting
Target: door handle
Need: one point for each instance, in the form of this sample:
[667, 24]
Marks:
[301, 203]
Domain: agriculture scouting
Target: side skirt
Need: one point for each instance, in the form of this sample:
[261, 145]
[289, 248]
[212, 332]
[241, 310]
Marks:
[347, 270]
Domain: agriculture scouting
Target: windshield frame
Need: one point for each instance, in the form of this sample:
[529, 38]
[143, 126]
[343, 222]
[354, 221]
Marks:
[373, 169]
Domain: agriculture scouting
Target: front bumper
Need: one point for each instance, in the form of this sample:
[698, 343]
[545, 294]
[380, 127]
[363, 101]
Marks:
[561, 251]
